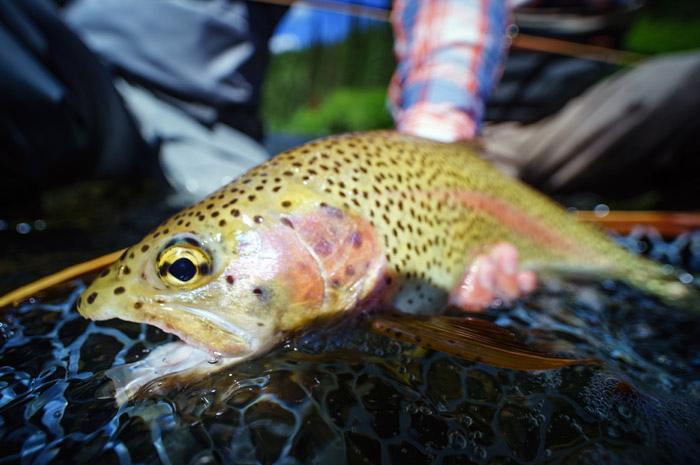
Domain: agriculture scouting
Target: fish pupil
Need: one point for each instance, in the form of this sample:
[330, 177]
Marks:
[183, 269]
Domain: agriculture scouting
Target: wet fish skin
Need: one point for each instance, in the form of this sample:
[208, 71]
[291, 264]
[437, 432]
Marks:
[332, 225]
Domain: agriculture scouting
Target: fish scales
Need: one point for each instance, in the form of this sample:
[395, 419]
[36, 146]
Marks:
[322, 227]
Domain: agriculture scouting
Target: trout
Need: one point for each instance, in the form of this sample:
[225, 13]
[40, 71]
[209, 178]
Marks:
[342, 224]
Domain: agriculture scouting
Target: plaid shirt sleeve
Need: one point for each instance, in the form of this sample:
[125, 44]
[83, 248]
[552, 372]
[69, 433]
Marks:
[450, 56]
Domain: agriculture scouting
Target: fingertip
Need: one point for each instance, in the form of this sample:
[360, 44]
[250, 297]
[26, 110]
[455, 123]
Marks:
[506, 255]
[527, 281]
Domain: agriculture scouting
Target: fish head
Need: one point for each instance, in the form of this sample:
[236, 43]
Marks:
[178, 283]
[237, 291]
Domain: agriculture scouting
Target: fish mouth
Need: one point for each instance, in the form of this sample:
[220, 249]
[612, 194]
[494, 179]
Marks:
[215, 335]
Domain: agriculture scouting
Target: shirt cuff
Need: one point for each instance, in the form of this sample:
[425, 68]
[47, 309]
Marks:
[438, 121]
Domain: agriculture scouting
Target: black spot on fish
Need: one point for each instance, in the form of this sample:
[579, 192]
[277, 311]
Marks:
[230, 279]
[163, 270]
[104, 273]
[91, 298]
[258, 219]
[287, 222]
[286, 204]
[323, 247]
[222, 223]
[138, 305]
[126, 270]
[123, 255]
[119, 290]
[145, 247]
[356, 239]
[204, 268]
[192, 241]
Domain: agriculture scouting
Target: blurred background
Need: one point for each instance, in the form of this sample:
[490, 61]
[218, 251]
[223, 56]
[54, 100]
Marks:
[331, 65]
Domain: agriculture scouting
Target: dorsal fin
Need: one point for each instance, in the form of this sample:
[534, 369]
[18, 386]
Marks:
[468, 338]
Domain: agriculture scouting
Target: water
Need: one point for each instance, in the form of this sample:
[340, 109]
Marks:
[357, 397]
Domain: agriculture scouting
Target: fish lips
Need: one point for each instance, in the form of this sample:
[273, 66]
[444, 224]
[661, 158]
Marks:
[200, 328]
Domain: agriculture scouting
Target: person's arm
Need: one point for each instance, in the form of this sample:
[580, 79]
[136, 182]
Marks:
[450, 56]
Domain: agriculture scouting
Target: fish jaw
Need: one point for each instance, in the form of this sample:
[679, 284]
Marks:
[222, 337]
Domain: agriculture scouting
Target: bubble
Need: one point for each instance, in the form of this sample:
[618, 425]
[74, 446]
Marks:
[23, 228]
[3, 225]
[465, 420]
[624, 411]
[601, 210]
[411, 408]
[425, 410]
[457, 440]
[40, 225]
[686, 278]
[512, 31]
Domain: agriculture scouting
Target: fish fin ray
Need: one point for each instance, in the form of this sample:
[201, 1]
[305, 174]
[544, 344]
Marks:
[468, 338]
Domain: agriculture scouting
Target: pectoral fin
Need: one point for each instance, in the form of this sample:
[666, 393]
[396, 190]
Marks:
[468, 338]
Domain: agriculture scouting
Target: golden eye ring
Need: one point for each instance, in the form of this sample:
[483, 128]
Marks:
[183, 266]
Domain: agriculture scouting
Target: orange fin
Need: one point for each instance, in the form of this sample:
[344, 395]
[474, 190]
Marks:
[468, 338]
[24, 292]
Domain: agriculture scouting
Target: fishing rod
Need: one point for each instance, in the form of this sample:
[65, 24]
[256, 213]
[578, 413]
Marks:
[518, 40]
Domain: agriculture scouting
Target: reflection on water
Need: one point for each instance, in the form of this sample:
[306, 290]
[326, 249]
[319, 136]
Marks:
[358, 397]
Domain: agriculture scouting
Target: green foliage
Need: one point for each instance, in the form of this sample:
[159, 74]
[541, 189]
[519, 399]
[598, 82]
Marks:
[664, 26]
[341, 82]
[654, 35]
[345, 109]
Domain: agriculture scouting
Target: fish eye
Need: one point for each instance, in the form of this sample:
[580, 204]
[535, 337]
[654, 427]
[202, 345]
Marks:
[183, 265]
[183, 269]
